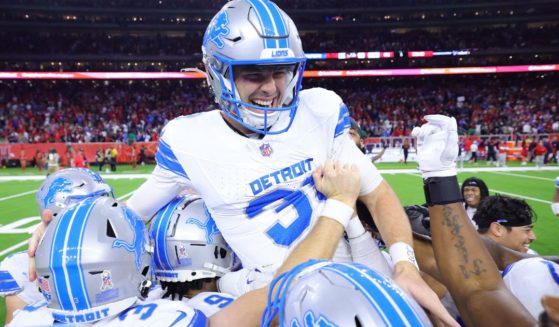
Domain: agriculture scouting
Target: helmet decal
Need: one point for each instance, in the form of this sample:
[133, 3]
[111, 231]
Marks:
[217, 29]
[138, 245]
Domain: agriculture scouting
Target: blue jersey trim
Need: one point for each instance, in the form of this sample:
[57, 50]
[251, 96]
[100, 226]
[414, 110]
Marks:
[343, 121]
[8, 284]
[166, 159]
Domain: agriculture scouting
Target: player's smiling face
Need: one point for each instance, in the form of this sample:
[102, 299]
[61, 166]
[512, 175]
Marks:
[472, 196]
[262, 86]
[519, 238]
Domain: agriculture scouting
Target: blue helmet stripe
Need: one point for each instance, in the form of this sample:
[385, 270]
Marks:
[166, 159]
[79, 284]
[268, 43]
[280, 24]
[56, 260]
[389, 303]
[68, 279]
[271, 23]
[343, 121]
[159, 233]
[72, 267]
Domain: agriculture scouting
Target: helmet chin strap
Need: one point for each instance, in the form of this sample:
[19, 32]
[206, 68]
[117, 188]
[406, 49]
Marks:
[256, 120]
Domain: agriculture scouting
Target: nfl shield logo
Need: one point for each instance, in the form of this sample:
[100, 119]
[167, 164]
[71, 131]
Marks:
[266, 150]
[106, 280]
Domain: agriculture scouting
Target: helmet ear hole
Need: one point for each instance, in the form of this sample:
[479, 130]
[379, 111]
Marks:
[110, 230]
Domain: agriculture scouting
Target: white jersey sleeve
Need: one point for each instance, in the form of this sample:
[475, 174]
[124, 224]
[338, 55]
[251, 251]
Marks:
[210, 302]
[14, 278]
[530, 279]
[365, 250]
[35, 314]
[160, 188]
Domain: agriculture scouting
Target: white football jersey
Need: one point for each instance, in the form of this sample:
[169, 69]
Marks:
[160, 312]
[530, 279]
[206, 302]
[260, 192]
[14, 278]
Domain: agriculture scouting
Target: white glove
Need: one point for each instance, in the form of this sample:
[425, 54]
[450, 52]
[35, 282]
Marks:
[437, 146]
[557, 182]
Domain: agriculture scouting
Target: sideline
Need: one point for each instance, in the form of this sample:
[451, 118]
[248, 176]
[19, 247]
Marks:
[382, 171]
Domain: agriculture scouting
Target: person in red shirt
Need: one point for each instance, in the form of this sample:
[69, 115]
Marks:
[79, 160]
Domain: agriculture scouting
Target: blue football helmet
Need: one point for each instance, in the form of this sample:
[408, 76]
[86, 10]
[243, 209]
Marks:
[68, 186]
[326, 293]
[255, 33]
[187, 244]
[93, 261]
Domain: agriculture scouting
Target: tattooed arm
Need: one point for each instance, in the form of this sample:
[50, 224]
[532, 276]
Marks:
[466, 267]
[470, 273]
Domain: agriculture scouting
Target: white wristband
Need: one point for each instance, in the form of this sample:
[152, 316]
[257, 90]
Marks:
[338, 211]
[401, 251]
[355, 228]
[555, 208]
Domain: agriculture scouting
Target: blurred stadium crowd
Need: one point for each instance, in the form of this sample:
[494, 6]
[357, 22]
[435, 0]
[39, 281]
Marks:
[164, 35]
[107, 111]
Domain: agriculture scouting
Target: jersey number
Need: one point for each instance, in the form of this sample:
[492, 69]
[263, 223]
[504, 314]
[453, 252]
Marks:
[298, 200]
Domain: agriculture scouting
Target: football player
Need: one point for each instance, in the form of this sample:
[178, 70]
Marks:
[93, 267]
[465, 265]
[190, 255]
[58, 191]
[251, 160]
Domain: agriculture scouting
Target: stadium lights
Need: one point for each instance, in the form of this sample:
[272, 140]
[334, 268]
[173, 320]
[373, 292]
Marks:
[194, 73]
[382, 54]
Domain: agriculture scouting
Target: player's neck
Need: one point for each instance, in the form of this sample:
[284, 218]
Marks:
[239, 129]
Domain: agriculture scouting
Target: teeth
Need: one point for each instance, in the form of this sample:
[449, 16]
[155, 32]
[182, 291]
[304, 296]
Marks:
[263, 103]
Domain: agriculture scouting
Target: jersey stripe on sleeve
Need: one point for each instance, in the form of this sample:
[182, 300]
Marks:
[166, 159]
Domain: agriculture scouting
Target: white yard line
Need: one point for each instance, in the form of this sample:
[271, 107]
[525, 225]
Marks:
[42, 177]
[17, 195]
[520, 196]
[14, 247]
[127, 195]
[525, 176]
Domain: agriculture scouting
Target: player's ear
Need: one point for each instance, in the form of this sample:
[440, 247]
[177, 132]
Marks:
[496, 229]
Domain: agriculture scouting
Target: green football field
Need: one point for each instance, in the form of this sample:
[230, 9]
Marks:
[19, 213]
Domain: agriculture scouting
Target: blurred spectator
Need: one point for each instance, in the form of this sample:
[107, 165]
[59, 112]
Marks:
[53, 161]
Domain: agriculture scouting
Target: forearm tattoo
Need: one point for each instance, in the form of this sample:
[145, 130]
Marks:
[468, 266]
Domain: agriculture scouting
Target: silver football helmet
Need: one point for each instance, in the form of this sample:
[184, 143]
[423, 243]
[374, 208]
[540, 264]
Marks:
[68, 186]
[255, 33]
[326, 293]
[187, 244]
[93, 261]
